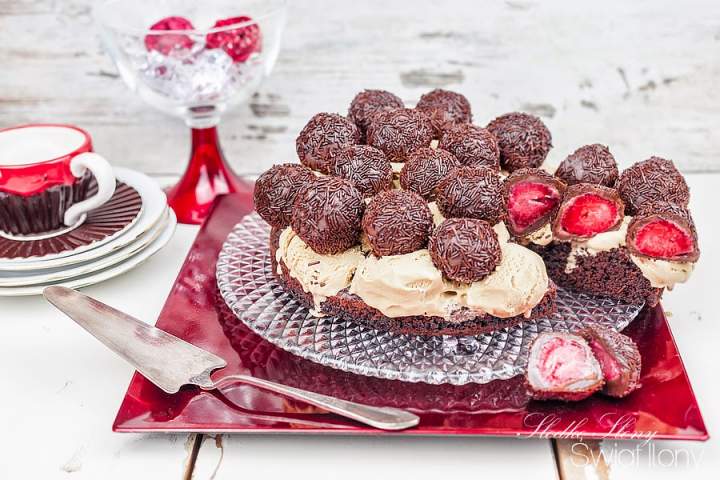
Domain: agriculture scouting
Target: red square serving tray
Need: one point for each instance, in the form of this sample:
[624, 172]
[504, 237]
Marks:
[663, 408]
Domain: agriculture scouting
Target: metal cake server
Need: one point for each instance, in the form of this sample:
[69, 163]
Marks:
[170, 362]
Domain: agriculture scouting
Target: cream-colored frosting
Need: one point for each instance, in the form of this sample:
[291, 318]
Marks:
[542, 236]
[320, 275]
[518, 284]
[663, 273]
[410, 284]
[397, 168]
[437, 216]
[602, 242]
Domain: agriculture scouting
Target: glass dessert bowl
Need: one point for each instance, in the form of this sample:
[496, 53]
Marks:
[195, 60]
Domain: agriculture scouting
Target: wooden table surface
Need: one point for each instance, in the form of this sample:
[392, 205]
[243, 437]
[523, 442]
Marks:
[639, 76]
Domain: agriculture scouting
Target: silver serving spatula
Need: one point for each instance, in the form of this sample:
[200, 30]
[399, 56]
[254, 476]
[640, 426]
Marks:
[170, 362]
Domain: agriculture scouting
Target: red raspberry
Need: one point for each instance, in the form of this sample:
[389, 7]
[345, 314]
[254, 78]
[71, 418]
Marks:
[171, 41]
[239, 43]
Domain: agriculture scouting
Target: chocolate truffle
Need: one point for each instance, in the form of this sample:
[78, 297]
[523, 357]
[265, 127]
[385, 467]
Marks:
[524, 140]
[322, 137]
[276, 189]
[397, 222]
[368, 102]
[327, 215]
[663, 230]
[562, 366]
[651, 180]
[424, 170]
[587, 210]
[589, 164]
[445, 109]
[471, 145]
[399, 132]
[366, 167]
[472, 192]
[465, 249]
[619, 359]
[532, 197]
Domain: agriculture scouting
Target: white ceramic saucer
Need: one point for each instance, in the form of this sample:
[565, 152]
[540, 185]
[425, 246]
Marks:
[49, 275]
[154, 205]
[153, 247]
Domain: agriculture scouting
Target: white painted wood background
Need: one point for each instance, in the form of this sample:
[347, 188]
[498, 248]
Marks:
[641, 76]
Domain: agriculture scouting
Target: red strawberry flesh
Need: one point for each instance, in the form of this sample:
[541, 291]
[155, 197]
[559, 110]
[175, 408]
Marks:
[562, 362]
[664, 239]
[240, 42]
[610, 367]
[589, 214]
[167, 42]
[529, 201]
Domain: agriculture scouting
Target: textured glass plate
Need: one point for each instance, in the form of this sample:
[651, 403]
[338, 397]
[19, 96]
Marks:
[246, 282]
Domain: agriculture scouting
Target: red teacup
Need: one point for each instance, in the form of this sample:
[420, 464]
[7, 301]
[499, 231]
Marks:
[46, 178]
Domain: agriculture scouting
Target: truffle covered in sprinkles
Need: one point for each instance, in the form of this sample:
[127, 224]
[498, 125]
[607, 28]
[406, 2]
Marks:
[654, 179]
[399, 132]
[619, 359]
[445, 109]
[369, 102]
[327, 215]
[465, 249]
[524, 140]
[425, 169]
[472, 192]
[472, 145]
[663, 230]
[276, 189]
[366, 167]
[589, 164]
[397, 222]
[323, 136]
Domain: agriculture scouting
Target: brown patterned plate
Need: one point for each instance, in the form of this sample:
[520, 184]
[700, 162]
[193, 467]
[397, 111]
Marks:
[102, 225]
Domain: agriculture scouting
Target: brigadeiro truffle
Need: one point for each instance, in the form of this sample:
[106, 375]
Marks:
[472, 192]
[424, 170]
[465, 249]
[471, 145]
[663, 230]
[445, 109]
[368, 102]
[562, 366]
[322, 137]
[651, 180]
[366, 167]
[532, 197]
[619, 359]
[524, 140]
[399, 132]
[397, 222]
[327, 215]
[276, 189]
[589, 164]
[587, 210]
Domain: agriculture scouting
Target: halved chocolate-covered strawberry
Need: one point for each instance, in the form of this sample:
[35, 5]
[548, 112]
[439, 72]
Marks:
[587, 210]
[561, 366]
[532, 196]
[619, 359]
[665, 231]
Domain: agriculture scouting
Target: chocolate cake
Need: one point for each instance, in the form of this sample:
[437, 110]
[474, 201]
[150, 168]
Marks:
[413, 235]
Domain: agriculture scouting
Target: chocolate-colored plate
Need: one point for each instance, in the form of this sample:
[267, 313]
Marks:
[102, 225]
[664, 407]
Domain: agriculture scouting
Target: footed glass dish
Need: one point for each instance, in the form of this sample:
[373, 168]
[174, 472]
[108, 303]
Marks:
[247, 284]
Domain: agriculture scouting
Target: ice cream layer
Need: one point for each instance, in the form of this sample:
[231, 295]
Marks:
[410, 284]
[320, 275]
[662, 273]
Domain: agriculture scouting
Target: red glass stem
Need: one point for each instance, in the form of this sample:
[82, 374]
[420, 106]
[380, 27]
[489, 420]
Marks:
[207, 176]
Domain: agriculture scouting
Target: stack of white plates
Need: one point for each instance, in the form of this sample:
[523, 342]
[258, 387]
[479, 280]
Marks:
[78, 263]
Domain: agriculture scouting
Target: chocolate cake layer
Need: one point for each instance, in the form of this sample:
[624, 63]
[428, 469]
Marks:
[353, 308]
[610, 274]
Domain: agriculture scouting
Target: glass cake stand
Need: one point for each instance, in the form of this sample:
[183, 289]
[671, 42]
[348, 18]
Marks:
[247, 285]
[208, 57]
